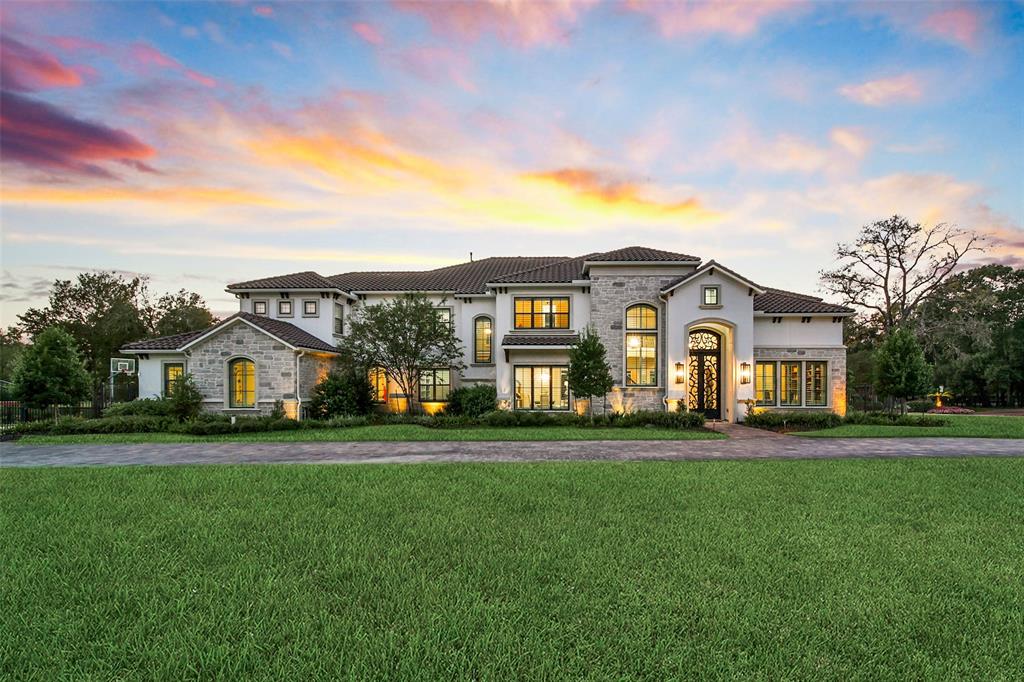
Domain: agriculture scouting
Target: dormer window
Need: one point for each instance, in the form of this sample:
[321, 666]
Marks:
[711, 296]
[259, 307]
[284, 308]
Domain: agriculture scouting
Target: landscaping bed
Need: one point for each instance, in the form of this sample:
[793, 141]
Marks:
[904, 569]
[953, 426]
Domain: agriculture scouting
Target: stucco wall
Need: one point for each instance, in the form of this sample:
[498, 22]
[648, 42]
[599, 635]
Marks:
[790, 331]
[321, 325]
[151, 373]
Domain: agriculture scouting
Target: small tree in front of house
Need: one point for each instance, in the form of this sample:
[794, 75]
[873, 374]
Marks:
[345, 392]
[901, 370]
[402, 337]
[50, 371]
[589, 373]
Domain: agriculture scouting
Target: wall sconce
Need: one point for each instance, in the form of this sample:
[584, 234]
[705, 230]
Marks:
[744, 372]
[680, 374]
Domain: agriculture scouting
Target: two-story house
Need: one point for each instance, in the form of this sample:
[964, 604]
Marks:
[676, 330]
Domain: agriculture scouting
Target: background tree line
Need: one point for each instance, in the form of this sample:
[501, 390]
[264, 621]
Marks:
[967, 323]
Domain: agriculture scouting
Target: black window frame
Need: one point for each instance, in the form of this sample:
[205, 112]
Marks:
[799, 382]
[550, 317]
[489, 359]
[291, 307]
[266, 307]
[433, 385]
[533, 374]
[167, 390]
[232, 404]
[339, 319]
[825, 382]
[316, 307]
[704, 295]
[774, 364]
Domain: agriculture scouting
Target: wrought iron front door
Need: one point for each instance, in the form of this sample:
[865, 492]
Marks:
[705, 391]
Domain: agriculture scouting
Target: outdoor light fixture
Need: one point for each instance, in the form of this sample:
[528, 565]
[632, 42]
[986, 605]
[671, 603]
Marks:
[744, 372]
[680, 375]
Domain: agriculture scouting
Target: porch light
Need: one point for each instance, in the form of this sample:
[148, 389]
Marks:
[680, 373]
[744, 372]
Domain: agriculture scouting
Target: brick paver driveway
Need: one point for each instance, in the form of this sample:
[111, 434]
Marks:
[790, 447]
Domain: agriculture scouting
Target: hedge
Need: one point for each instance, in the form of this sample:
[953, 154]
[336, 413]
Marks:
[793, 420]
[141, 407]
[886, 419]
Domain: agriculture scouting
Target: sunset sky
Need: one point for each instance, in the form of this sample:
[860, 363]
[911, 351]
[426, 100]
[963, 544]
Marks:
[204, 143]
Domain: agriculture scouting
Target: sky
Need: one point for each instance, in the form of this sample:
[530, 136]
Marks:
[203, 143]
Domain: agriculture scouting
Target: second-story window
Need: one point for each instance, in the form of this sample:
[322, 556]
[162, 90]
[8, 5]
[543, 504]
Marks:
[483, 330]
[339, 319]
[310, 308]
[547, 312]
[642, 345]
[284, 308]
[259, 307]
[711, 296]
[445, 317]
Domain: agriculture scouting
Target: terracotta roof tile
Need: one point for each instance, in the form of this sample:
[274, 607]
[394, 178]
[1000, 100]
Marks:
[783, 302]
[285, 331]
[640, 254]
[296, 280]
[513, 340]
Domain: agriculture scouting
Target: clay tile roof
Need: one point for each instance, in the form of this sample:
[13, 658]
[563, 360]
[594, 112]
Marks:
[296, 280]
[782, 302]
[463, 278]
[564, 270]
[640, 254]
[540, 340]
[172, 342]
[285, 331]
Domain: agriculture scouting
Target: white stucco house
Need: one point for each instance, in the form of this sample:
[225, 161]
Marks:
[677, 329]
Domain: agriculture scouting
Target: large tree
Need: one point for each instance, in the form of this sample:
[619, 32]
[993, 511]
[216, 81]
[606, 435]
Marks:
[183, 311]
[589, 373]
[402, 337]
[11, 346]
[895, 265]
[901, 370]
[50, 371]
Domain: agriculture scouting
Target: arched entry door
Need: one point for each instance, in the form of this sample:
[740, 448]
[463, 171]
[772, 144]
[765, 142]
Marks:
[705, 390]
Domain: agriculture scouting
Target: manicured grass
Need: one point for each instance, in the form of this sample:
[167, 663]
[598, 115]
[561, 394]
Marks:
[395, 432]
[843, 569]
[963, 426]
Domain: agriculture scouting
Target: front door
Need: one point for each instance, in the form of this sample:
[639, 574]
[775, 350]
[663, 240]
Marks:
[705, 390]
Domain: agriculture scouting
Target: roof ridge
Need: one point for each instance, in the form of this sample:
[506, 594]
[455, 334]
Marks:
[540, 267]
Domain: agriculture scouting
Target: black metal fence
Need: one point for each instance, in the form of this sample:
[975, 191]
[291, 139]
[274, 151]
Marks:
[14, 412]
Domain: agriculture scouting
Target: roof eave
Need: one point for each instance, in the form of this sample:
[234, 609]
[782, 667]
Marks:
[761, 313]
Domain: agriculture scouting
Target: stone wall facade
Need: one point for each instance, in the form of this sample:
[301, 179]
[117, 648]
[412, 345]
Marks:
[312, 368]
[836, 358]
[610, 295]
[275, 367]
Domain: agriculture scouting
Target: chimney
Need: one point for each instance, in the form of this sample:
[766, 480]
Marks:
[470, 256]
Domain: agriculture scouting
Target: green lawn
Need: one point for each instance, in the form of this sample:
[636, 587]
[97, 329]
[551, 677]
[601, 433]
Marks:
[963, 426]
[394, 432]
[843, 569]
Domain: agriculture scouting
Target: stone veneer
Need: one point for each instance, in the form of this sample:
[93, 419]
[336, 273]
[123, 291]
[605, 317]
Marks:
[836, 358]
[609, 297]
[275, 367]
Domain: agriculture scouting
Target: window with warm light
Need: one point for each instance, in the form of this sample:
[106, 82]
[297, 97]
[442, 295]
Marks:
[642, 345]
[173, 373]
[764, 383]
[711, 295]
[542, 312]
[542, 387]
[789, 384]
[379, 382]
[483, 331]
[435, 384]
[242, 383]
[816, 375]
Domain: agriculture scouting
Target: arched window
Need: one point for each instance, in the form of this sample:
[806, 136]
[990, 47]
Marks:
[242, 383]
[483, 331]
[642, 345]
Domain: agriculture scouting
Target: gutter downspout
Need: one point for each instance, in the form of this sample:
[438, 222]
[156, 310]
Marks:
[298, 396]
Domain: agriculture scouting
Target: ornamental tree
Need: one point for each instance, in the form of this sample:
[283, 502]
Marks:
[50, 371]
[901, 370]
[402, 337]
[589, 373]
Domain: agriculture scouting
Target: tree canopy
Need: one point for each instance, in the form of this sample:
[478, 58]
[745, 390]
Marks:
[589, 372]
[901, 370]
[50, 371]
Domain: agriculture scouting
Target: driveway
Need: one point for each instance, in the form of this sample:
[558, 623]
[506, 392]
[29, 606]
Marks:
[789, 447]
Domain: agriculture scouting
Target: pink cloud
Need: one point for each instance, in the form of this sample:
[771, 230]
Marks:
[438, 65]
[147, 56]
[689, 17]
[24, 68]
[263, 11]
[523, 24]
[885, 91]
[368, 33]
[960, 25]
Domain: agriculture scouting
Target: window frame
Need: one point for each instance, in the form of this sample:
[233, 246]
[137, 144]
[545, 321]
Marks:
[434, 371]
[704, 289]
[339, 319]
[266, 307]
[774, 364]
[379, 382]
[566, 393]
[549, 317]
[316, 307]
[825, 383]
[165, 384]
[489, 360]
[450, 313]
[289, 303]
[783, 379]
[232, 403]
[641, 332]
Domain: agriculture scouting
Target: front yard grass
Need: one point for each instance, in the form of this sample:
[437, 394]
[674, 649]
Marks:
[851, 569]
[962, 426]
[392, 432]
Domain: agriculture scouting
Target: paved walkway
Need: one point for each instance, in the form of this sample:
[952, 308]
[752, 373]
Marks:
[768, 447]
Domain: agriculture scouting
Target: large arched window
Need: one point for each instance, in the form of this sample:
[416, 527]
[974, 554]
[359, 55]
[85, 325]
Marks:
[483, 331]
[242, 383]
[642, 345]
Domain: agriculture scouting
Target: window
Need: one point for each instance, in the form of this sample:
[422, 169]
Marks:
[173, 372]
[339, 319]
[445, 316]
[310, 309]
[242, 383]
[789, 388]
[642, 345]
[542, 313]
[434, 385]
[816, 374]
[764, 383]
[710, 296]
[483, 331]
[379, 381]
[284, 308]
[542, 388]
[259, 307]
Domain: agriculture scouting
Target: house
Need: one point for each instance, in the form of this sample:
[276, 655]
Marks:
[676, 328]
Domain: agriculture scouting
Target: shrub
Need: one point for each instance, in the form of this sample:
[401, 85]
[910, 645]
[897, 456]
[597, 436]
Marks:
[920, 405]
[472, 401]
[186, 400]
[499, 418]
[343, 392]
[887, 419]
[950, 409]
[219, 426]
[792, 420]
[664, 420]
[76, 425]
[141, 407]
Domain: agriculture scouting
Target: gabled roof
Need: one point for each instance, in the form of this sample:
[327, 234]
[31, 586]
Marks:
[640, 254]
[711, 265]
[296, 280]
[464, 278]
[284, 332]
[779, 302]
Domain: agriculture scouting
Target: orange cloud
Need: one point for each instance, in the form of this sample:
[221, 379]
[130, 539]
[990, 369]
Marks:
[178, 196]
[24, 68]
[597, 187]
[523, 23]
[885, 91]
[688, 17]
[851, 140]
[368, 33]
